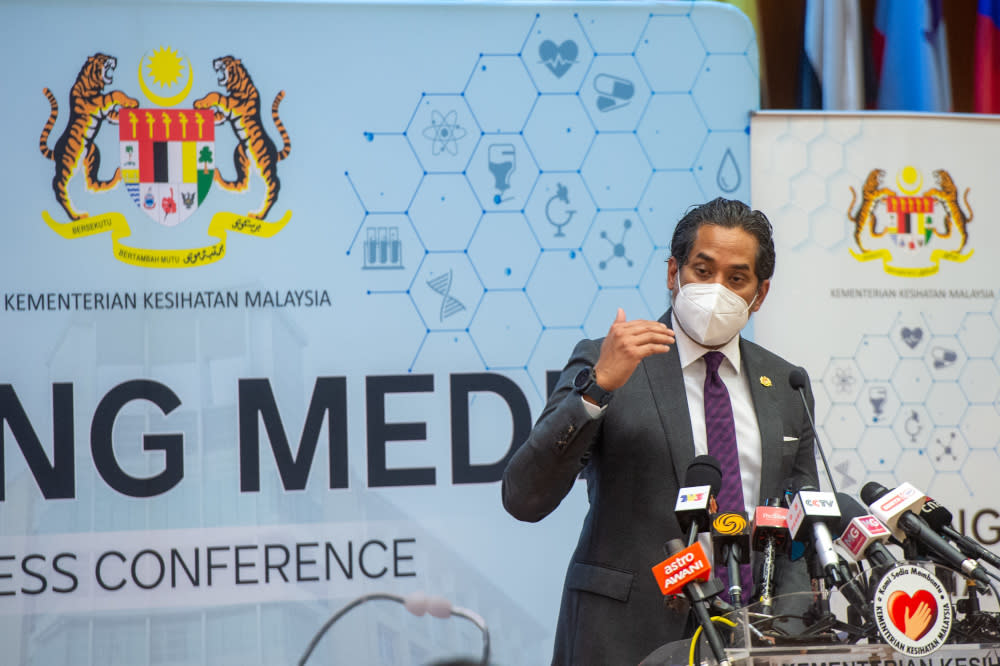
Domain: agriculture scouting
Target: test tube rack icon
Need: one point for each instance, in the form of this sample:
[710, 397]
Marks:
[382, 248]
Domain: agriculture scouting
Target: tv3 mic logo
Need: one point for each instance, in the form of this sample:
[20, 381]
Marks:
[691, 497]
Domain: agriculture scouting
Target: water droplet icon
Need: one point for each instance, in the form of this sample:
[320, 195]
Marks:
[728, 175]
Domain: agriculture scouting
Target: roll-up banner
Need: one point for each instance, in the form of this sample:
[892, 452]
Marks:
[284, 286]
[886, 291]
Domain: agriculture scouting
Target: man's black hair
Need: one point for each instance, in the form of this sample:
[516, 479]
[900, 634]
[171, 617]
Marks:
[728, 213]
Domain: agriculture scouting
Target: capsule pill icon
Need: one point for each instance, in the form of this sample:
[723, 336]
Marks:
[614, 91]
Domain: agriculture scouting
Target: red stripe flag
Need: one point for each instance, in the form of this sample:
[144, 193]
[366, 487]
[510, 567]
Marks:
[987, 57]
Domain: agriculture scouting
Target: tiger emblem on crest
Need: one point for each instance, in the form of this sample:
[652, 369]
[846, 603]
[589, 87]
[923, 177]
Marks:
[947, 193]
[910, 231]
[90, 106]
[241, 108]
[872, 192]
[167, 156]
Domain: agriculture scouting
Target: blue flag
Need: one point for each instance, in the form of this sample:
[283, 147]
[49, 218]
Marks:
[911, 56]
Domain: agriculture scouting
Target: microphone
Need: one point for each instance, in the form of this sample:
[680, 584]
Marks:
[798, 379]
[684, 571]
[731, 539]
[789, 486]
[418, 604]
[863, 535]
[696, 500]
[939, 520]
[769, 535]
[896, 509]
[816, 512]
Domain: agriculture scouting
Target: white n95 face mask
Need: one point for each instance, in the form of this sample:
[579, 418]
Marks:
[709, 313]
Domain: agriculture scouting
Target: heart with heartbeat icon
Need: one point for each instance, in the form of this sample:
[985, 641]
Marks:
[558, 58]
[912, 336]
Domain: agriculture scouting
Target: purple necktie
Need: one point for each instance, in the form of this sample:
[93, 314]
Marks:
[720, 430]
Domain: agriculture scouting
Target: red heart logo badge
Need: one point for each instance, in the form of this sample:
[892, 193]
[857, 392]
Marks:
[913, 615]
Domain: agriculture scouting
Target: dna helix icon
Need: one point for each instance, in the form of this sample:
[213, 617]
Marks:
[449, 304]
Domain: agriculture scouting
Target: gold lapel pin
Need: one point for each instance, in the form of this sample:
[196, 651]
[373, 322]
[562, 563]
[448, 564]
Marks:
[765, 380]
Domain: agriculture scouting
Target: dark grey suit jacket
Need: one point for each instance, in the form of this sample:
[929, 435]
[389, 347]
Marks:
[634, 459]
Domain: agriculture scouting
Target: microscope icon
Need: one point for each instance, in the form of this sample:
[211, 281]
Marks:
[562, 194]
[912, 426]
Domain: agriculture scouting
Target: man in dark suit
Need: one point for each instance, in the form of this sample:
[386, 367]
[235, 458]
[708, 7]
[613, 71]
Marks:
[629, 415]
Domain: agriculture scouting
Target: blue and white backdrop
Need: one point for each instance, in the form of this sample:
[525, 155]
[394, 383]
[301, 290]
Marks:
[886, 291]
[283, 285]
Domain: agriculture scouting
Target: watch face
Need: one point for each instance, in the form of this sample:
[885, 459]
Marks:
[582, 379]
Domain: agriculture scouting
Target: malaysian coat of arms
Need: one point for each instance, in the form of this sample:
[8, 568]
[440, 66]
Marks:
[167, 154]
[911, 230]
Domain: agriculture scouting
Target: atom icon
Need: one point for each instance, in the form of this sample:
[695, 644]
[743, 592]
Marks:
[444, 132]
[844, 380]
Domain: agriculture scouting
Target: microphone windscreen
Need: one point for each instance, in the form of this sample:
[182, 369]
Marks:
[438, 607]
[872, 491]
[936, 515]
[797, 378]
[797, 483]
[704, 471]
[416, 603]
[850, 509]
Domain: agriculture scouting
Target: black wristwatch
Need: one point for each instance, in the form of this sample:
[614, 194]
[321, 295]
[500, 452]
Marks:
[586, 384]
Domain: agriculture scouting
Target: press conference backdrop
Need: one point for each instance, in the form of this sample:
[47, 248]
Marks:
[886, 291]
[283, 284]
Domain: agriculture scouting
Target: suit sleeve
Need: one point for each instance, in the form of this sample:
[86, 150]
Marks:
[542, 471]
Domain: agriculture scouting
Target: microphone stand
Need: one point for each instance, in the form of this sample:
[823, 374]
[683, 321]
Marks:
[733, 568]
[699, 606]
[977, 625]
[767, 577]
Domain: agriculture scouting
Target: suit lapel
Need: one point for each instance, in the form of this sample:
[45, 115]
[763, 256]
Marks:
[768, 417]
[670, 397]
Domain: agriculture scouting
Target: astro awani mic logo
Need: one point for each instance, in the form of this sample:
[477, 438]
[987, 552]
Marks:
[167, 155]
[911, 231]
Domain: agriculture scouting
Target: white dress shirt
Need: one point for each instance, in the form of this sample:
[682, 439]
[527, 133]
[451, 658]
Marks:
[738, 385]
[747, 428]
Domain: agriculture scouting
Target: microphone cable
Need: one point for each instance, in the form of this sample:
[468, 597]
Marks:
[798, 379]
[418, 604]
[693, 653]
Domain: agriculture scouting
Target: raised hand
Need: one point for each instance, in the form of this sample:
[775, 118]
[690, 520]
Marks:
[627, 343]
[916, 623]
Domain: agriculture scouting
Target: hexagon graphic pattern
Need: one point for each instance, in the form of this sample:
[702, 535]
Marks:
[556, 170]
